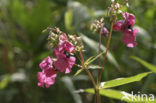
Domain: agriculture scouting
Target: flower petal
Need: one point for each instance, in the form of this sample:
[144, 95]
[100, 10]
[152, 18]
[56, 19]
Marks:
[118, 25]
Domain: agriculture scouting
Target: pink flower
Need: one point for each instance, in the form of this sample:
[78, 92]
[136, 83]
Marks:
[64, 46]
[129, 18]
[118, 25]
[46, 77]
[64, 63]
[130, 38]
[63, 52]
[64, 59]
[48, 74]
[63, 37]
[126, 26]
[46, 63]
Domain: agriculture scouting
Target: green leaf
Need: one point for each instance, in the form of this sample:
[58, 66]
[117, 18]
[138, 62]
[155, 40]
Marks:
[94, 67]
[144, 63]
[69, 19]
[78, 72]
[94, 45]
[4, 81]
[122, 81]
[123, 96]
[89, 67]
[90, 60]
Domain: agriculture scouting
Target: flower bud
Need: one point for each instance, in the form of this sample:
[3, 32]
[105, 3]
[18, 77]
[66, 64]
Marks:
[77, 42]
[104, 31]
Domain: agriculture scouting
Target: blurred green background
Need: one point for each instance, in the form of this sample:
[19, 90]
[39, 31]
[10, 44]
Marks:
[23, 46]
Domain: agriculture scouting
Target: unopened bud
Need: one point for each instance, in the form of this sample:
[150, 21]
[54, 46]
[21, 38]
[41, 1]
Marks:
[77, 42]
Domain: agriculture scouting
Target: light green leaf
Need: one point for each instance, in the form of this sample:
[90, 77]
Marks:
[4, 81]
[124, 96]
[78, 72]
[144, 63]
[94, 67]
[89, 67]
[69, 19]
[90, 60]
[94, 45]
[122, 81]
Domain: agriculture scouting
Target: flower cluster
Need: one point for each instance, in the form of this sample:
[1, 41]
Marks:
[64, 61]
[126, 27]
[63, 53]
[114, 8]
[98, 26]
[48, 73]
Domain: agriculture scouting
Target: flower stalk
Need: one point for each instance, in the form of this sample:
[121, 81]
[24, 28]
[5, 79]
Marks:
[107, 47]
[100, 71]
